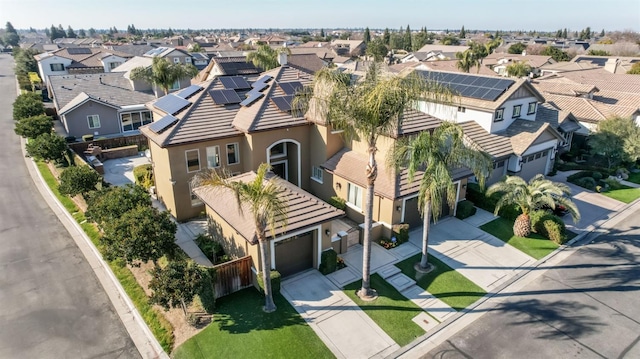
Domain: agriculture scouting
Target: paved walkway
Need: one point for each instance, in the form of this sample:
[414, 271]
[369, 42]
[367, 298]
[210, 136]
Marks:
[346, 330]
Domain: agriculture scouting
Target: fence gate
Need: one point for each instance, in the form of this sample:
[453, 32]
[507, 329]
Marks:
[232, 276]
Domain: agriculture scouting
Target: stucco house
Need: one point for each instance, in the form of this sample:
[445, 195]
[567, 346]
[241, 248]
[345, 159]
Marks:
[78, 60]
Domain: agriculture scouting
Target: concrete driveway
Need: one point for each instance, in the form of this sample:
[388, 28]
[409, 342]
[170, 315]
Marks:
[479, 256]
[344, 328]
[119, 171]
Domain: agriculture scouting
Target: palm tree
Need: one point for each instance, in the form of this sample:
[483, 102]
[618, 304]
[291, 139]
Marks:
[518, 69]
[436, 154]
[266, 57]
[538, 193]
[163, 73]
[365, 110]
[267, 207]
[466, 60]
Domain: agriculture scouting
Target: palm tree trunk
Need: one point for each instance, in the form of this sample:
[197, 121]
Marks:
[265, 258]
[426, 223]
[372, 172]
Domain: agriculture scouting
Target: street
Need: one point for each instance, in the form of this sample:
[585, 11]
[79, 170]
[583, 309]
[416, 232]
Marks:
[588, 306]
[51, 303]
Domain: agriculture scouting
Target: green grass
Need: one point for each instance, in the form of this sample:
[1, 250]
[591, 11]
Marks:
[634, 177]
[535, 245]
[391, 311]
[625, 194]
[443, 282]
[240, 329]
[160, 327]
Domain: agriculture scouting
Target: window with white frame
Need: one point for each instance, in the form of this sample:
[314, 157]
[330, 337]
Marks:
[498, 164]
[175, 86]
[499, 115]
[57, 67]
[94, 121]
[176, 60]
[113, 65]
[532, 108]
[279, 150]
[354, 195]
[195, 200]
[516, 111]
[133, 120]
[462, 109]
[233, 154]
[213, 156]
[316, 173]
[193, 160]
[187, 60]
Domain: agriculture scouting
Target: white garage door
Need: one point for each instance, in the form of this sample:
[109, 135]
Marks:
[534, 164]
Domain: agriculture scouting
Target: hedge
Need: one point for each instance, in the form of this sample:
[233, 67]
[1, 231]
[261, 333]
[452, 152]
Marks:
[328, 261]
[549, 226]
[466, 209]
[275, 282]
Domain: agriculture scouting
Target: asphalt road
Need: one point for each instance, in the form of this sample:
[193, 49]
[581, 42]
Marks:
[51, 303]
[586, 307]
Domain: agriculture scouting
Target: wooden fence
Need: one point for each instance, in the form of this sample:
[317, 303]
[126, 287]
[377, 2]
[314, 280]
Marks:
[107, 143]
[233, 276]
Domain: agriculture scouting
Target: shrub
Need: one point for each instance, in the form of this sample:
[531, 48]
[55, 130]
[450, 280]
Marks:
[478, 197]
[339, 203]
[401, 232]
[143, 175]
[47, 147]
[586, 182]
[77, 180]
[510, 212]
[612, 184]
[549, 226]
[27, 105]
[465, 209]
[328, 261]
[32, 127]
[597, 176]
[572, 178]
[275, 282]
[622, 173]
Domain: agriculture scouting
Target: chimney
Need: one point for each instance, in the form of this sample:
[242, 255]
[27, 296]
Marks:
[282, 58]
[611, 65]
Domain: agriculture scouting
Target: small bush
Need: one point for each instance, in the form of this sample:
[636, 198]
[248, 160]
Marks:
[401, 232]
[275, 282]
[466, 209]
[510, 212]
[328, 261]
[586, 182]
[212, 249]
[339, 203]
[597, 176]
[549, 226]
[77, 180]
[574, 177]
[478, 197]
[143, 175]
[612, 184]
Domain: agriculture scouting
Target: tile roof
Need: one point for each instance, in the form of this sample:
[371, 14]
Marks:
[204, 120]
[307, 62]
[442, 48]
[582, 108]
[111, 88]
[414, 122]
[563, 86]
[534, 61]
[605, 80]
[137, 61]
[304, 209]
[497, 145]
[91, 59]
[523, 133]
[133, 50]
[350, 165]
[79, 100]
[565, 121]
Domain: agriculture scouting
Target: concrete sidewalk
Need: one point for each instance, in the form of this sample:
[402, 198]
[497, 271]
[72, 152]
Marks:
[339, 322]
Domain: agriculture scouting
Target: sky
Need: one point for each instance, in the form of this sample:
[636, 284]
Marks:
[542, 15]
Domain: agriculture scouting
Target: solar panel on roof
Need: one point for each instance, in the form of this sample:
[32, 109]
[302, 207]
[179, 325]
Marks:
[187, 92]
[290, 88]
[79, 51]
[253, 97]
[162, 124]
[264, 79]
[224, 97]
[283, 102]
[480, 87]
[259, 86]
[171, 104]
[235, 83]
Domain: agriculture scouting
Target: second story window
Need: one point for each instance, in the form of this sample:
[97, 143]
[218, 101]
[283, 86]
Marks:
[462, 109]
[213, 156]
[57, 67]
[532, 108]
[316, 174]
[516, 111]
[233, 154]
[193, 160]
[354, 195]
[499, 116]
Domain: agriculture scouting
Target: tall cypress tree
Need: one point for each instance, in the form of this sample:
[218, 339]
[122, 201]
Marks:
[407, 39]
[367, 35]
[386, 37]
[463, 33]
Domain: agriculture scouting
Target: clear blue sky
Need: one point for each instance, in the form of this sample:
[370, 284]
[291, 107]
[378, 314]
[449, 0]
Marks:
[547, 15]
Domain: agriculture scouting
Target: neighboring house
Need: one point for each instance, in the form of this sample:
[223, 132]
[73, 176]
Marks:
[499, 62]
[507, 119]
[307, 62]
[436, 52]
[613, 64]
[452, 66]
[172, 54]
[78, 60]
[199, 60]
[293, 249]
[227, 66]
[99, 104]
[348, 48]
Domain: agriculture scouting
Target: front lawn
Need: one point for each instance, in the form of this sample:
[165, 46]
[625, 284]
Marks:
[634, 177]
[391, 311]
[443, 282]
[240, 329]
[625, 194]
[535, 245]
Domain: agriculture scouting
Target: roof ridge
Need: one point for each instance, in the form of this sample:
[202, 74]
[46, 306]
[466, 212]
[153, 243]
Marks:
[185, 116]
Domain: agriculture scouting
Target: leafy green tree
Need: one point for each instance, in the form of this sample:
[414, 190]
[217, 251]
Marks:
[27, 105]
[11, 36]
[518, 69]
[436, 154]
[396, 41]
[466, 60]
[635, 69]
[555, 53]
[264, 57]
[539, 192]
[366, 110]
[268, 211]
[420, 39]
[92, 32]
[322, 33]
[406, 40]
[386, 37]
[25, 61]
[367, 36]
[9, 28]
[517, 48]
[110, 203]
[197, 48]
[164, 73]
[598, 53]
[377, 49]
[617, 139]
[141, 234]
[70, 33]
[463, 33]
[47, 147]
[75, 180]
[176, 284]
[56, 33]
[564, 33]
[450, 40]
[32, 127]
[82, 33]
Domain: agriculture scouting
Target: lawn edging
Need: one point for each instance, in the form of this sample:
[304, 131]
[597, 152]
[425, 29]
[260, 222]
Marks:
[139, 331]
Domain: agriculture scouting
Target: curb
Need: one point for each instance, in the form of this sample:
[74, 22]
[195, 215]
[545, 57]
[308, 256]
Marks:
[146, 343]
[467, 316]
